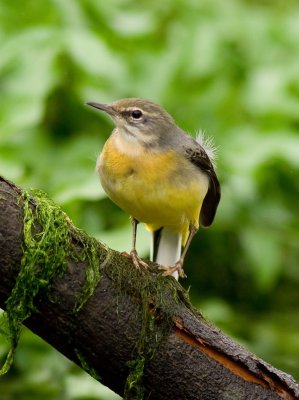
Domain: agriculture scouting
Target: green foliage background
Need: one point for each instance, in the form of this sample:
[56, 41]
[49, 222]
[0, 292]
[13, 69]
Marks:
[228, 67]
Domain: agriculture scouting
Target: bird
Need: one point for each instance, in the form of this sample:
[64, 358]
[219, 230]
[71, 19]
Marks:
[161, 176]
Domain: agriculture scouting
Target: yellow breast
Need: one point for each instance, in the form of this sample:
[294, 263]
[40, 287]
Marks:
[158, 188]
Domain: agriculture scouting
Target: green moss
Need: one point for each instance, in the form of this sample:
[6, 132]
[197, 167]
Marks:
[47, 246]
[134, 388]
[44, 256]
[84, 364]
[158, 297]
[92, 255]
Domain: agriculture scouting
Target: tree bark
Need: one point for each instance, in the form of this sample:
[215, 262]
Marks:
[195, 360]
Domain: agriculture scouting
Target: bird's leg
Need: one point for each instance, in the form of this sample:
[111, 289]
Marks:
[137, 261]
[178, 266]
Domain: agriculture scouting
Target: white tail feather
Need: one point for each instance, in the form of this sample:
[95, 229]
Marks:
[169, 249]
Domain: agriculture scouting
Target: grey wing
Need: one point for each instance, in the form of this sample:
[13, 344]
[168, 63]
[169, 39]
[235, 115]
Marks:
[197, 156]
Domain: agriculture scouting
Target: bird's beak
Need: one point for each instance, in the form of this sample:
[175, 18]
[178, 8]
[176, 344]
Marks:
[104, 107]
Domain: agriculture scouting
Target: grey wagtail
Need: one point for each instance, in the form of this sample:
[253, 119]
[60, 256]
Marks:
[159, 175]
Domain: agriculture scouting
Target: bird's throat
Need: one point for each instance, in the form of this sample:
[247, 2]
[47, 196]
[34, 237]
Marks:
[127, 143]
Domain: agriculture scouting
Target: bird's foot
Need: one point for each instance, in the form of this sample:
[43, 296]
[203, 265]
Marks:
[177, 267]
[137, 261]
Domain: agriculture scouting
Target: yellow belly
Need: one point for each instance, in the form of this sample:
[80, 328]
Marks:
[159, 189]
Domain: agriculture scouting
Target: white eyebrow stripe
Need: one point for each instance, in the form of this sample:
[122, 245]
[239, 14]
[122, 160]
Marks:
[129, 109]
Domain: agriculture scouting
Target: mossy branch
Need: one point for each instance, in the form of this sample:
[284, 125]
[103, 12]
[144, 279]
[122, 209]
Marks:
[134, 331]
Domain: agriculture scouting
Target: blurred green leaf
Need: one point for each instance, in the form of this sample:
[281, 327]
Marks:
[264, 255]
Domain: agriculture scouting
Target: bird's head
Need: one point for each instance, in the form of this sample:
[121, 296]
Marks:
[139, 118]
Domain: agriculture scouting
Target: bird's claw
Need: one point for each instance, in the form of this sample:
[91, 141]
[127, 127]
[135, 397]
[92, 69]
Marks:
[137, 261]
[177, 267]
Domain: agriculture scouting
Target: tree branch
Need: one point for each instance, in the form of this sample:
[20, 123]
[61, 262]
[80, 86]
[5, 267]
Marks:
[132, 320]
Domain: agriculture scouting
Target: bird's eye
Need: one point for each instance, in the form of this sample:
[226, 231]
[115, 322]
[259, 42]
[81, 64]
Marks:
[136, 114]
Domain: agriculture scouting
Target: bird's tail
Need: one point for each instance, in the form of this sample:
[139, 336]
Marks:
[166, 247]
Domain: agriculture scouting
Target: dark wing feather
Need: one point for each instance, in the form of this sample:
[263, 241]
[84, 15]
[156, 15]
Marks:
[199, 157]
